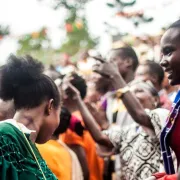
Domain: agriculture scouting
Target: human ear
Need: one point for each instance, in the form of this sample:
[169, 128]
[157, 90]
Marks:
[156, 101]
[49, 107]
[128, 62]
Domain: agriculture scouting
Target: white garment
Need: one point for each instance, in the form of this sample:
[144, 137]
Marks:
[140, 154]
[18, 125]
[76, 167]
[172, 96]
[123, 119]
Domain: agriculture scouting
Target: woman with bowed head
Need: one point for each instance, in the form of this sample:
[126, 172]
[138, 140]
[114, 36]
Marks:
[59, 157]
[37, 104]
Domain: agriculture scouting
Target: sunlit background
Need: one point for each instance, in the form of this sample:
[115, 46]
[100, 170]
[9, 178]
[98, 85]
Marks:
[107, 23]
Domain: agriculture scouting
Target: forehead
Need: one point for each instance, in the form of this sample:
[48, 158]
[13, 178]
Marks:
[114, 53]
[142, 69]
[171, 37]
[139, 86]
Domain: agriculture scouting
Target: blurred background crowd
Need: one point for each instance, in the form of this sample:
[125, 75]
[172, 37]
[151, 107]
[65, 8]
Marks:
[73, 38]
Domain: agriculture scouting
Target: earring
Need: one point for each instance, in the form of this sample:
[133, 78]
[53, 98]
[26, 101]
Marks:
[49, 111]
[155, 104]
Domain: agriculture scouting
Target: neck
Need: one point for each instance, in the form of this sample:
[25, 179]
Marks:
[171, 89]
[129, 76]
[54, 138]
[157, 87]
[31, 119]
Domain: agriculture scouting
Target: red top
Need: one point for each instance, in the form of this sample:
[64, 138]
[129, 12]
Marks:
[163, 176]
[174, 139]
[175, 146]
[169, 177]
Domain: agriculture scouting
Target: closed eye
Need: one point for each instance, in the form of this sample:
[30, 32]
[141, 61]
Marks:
[138, 90]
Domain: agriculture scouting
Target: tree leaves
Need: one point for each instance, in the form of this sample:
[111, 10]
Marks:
[110, 5]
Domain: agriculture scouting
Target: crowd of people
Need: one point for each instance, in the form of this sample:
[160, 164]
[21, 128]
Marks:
[118, 123]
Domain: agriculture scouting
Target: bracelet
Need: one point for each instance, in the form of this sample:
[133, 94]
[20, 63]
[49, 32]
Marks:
[120, 92]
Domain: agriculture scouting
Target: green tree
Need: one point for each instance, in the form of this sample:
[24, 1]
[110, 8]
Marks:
[77, 34]
[4, 31]
[36, 44]
[137, 17]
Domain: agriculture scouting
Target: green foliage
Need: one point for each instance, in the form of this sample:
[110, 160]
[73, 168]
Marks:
[124, 4]
[33, 41]
[70, 4]
[136, 18]
[79, 39]
[121, 4]
[4, 30]
[36, 44]
[110, 5]
[76, 37]
[142, 19]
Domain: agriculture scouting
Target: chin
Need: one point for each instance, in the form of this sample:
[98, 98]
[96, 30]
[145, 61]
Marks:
[42, 140]
[173, 82]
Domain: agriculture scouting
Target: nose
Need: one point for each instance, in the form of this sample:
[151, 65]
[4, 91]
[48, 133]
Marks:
[164, 62]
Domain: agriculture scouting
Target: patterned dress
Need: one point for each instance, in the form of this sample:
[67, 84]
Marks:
[140, 154]
[16, 159]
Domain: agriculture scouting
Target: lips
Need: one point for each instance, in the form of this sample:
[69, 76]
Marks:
[169, 74]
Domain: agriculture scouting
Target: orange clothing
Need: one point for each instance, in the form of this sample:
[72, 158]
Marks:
[57, 158]
[95, 163]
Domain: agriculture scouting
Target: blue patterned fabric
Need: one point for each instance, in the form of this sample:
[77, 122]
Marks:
[164, 138]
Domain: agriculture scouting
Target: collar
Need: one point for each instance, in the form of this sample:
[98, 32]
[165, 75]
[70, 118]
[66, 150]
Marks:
[19, 126]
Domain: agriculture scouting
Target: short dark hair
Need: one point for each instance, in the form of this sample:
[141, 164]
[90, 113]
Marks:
[65, 117]
[80, 84]
[22, 80]
[128, 52]
[156, 69]
[176, 24]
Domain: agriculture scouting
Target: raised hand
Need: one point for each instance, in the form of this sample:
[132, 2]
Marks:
[106, 69]
[74, 93]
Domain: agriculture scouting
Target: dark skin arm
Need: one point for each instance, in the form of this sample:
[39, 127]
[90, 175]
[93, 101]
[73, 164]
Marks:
[89, 120]
[99, 115]
[81, 155]
[132, 104]
[135, 109]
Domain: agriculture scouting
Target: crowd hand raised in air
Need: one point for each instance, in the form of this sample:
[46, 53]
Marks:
[89, 121]
[105, 68]
[69, 91]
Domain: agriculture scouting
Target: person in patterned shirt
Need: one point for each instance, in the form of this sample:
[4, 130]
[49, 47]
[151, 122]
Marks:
[139, 148]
